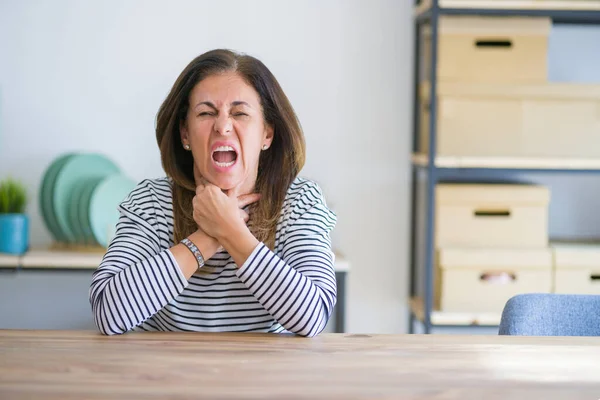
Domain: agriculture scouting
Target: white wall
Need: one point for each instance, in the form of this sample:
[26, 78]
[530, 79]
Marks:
[91, 75]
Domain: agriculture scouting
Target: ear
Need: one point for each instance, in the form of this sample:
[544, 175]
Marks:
[183, 133]
[269, 132]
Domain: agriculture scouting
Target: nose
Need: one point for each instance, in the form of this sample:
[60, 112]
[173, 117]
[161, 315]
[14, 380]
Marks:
[223, 124]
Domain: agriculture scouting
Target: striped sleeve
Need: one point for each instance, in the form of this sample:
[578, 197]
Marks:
[298, 289]
[136, 278]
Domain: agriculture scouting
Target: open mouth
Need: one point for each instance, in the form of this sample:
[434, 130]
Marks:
[224, 156]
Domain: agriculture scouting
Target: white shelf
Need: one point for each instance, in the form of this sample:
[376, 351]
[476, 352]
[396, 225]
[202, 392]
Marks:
[454, 318]
[7, 260]
[61, 259]
[341, 264]
[554, 5]
[508, 162]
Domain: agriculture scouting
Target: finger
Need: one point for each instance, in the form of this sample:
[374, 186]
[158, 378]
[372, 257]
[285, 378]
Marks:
[247, 199]
[200, 180]
[206, 185]
[244, 216]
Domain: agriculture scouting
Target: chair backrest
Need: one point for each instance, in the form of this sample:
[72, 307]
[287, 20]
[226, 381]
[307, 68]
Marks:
[551, 315]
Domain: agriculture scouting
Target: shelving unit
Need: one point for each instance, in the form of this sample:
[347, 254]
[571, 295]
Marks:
[431, 168]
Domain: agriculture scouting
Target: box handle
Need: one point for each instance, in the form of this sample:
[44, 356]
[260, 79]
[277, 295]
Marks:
[492, 213]
[498, 277]
[595, 277]
[493, 43]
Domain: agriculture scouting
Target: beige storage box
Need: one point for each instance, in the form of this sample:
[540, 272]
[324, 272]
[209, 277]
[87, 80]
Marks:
[550, 120]
[482, 280]
[490, 49]
[491, 215]
[577, 268]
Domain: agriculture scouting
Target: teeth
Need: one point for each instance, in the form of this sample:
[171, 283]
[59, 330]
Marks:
[224, 148]
[225, 164]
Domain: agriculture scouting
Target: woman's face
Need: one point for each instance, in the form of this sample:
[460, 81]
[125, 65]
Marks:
[226, 131]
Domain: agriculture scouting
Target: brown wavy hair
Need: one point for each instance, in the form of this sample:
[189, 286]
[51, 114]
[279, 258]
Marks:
[277, 167]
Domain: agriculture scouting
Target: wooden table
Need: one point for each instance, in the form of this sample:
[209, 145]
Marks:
[85, 365]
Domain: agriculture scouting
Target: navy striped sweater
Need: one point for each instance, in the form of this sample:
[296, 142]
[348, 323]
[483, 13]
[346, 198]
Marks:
[139, 287]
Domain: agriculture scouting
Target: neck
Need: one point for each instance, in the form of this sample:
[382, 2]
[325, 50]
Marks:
[245, 187]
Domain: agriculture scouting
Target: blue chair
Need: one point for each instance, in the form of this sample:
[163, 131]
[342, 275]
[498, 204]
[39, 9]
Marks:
[551, 315]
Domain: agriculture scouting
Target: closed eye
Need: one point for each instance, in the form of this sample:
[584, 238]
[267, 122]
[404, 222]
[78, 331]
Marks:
[205, 113]
[240, 114]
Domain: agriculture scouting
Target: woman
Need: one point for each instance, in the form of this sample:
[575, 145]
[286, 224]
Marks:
[232, 239]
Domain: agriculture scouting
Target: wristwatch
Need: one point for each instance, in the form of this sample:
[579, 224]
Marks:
[195, 251]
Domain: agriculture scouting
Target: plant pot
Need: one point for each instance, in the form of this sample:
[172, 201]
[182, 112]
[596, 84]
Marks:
[14, 233]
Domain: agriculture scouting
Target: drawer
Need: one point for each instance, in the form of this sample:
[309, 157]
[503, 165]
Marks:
[577, 268]
[490, 49]
[491, 215]
[547, 120]
[483, 280]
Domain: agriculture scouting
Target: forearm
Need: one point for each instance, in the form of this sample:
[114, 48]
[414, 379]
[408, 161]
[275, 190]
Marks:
[300, 294]
[132, 284]
[239, 243]
[186, 261]
[300, 304]
[124, 299]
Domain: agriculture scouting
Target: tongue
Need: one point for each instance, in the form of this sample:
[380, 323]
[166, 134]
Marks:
[224, 156]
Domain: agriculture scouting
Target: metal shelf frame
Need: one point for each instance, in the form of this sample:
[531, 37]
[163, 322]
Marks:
[435, 174]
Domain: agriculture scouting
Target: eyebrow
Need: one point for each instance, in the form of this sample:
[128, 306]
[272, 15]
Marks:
[234, 104]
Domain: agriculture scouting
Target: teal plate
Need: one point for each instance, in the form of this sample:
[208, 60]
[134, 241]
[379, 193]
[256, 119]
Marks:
[75, 203]
[103, 212]
[77, 168]
[84, 211]
[45, 196]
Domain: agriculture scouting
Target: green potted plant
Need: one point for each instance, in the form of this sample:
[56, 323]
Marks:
[14, 224]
